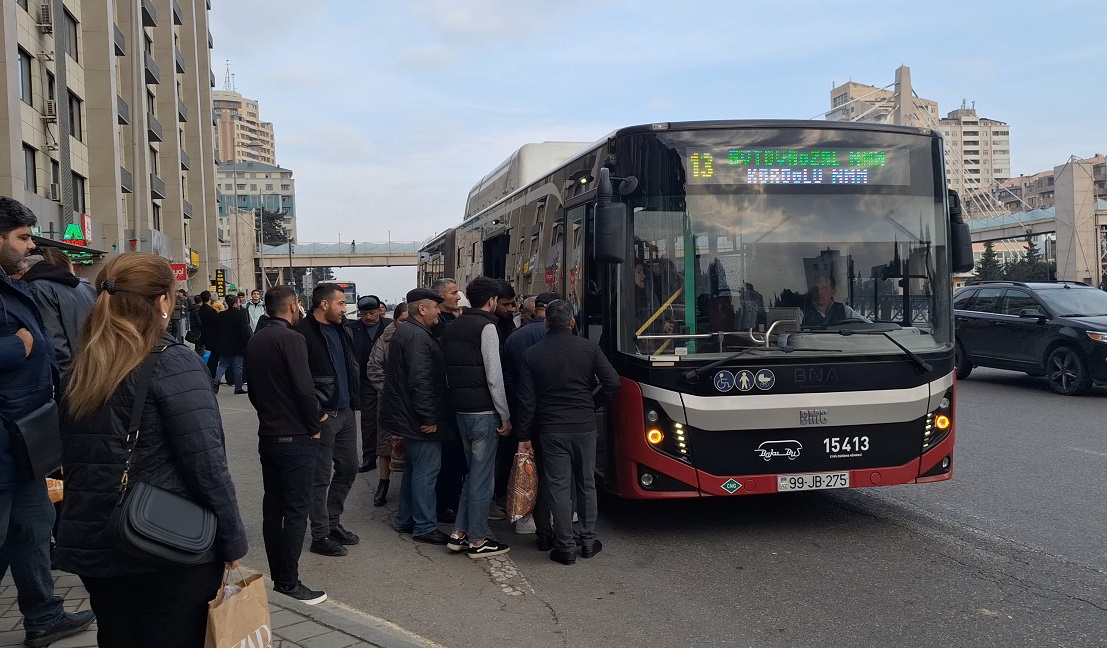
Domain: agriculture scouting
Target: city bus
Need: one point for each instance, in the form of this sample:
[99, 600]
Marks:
[349, 290]
[775, 295]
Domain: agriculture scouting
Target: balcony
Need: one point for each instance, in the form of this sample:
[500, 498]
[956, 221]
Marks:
[120, 41]
[178, 60]
[187, 209]
[182, 111]
[153, 126]
[157, 186]
[153, 72]
[122, 111]
[149, 14]
[186, 162]
[126, 181]
[177, 15]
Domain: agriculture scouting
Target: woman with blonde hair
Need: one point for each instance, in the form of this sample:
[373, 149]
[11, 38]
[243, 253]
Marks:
[140, 600]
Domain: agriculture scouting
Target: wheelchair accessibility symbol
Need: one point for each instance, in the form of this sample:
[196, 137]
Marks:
[724, 381]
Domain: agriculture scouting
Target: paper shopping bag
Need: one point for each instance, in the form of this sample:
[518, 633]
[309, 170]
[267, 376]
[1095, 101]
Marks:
[522, 487]
[241, 619]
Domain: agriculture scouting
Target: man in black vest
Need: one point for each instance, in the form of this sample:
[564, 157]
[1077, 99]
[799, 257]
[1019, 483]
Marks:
[365, 331]
[819, 308]
[288, 438]
[471, 345]
[334, 372]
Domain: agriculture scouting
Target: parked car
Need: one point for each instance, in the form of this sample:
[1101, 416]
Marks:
[1052, 329]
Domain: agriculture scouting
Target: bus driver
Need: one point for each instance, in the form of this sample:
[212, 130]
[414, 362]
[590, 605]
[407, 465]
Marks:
[819, 308]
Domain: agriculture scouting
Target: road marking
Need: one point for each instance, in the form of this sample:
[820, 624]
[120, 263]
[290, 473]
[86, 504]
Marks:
[1091, 452]
[506, 574]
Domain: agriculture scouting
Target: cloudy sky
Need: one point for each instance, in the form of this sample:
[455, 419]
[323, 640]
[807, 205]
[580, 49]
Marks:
[388, 112]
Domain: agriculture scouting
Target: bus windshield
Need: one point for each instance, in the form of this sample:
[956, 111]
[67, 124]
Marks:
[763, 238]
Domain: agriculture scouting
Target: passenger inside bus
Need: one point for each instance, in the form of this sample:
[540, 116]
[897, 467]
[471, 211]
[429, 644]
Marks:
[820, 310]
[647, 319]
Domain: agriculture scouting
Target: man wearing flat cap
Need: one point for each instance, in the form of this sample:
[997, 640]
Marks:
[365, 331]
[414, 406]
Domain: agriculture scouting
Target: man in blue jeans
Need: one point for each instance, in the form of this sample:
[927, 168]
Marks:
[27, 378]
[471, 345]
[413, 407]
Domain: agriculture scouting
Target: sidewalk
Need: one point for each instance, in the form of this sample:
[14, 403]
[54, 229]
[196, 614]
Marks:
[295, 625]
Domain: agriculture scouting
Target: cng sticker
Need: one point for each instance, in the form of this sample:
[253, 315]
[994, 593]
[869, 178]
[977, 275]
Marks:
[731, 486]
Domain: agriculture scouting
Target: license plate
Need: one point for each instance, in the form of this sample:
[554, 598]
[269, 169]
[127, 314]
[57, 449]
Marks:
[812, 481]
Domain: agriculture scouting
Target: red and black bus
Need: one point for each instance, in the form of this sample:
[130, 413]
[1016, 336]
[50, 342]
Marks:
[776, 296]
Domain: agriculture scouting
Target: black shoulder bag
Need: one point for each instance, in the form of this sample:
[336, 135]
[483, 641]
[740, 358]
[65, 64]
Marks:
[152, 523]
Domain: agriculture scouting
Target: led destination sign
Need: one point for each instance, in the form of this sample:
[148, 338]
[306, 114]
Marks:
[822, 166]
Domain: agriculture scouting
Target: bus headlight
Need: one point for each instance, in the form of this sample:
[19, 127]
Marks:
[664, 434]
[939, 423]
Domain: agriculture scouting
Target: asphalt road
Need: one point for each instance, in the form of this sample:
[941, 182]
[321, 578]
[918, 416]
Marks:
[1008, 553]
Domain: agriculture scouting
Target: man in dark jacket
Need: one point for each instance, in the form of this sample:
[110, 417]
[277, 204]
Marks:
[365, 331]
[556, 402]
[335, 375]
[27, 371]
[289, 416]
[234, 335]
[195, 325]
[452, 473]
[209, 330]
[413, 406]
[471, 346]
[64, 303]
[515, 354]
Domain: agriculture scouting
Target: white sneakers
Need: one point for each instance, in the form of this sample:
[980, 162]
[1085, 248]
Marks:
[525, 525]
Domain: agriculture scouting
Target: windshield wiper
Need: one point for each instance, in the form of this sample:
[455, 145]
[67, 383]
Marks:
[692, 375]
[916, 360]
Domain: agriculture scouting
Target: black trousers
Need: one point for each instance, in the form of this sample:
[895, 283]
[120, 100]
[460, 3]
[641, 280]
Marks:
[288, 467]
[335, 471]
[213, 363]
[368, 422]
[568, 464]
[450, 479]
[168, 609]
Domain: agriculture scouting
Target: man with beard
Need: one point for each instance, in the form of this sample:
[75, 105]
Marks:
[27, 369]
[337, 385]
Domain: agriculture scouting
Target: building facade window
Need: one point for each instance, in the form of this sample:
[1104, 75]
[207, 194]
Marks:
[30, 170]
[22, 3]
[51, 86]
[55, 172]
[69, 24]
[75, 123]
[269, 187]
[79, 204]
[25, 77]
[155, 213]
[253, 187]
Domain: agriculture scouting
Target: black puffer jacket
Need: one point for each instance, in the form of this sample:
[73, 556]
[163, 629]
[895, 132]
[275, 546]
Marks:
[64, 303]
[180, 449]
[415, 392]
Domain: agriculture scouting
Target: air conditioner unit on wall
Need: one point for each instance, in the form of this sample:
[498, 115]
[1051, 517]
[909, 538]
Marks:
[55, 192]
[50, 110]
[46, 18]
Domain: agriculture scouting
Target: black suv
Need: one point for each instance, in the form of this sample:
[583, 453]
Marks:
[1052, 329]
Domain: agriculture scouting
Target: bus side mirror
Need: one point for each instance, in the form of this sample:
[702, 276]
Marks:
[611, 233]
[960, 239]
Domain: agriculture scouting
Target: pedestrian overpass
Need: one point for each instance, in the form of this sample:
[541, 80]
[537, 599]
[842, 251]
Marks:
[340, 255]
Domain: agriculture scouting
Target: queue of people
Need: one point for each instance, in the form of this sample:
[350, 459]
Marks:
[442, 390]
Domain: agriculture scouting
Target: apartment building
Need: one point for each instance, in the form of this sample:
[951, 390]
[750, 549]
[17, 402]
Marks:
[242, 136]
[978, 150]
[853, 101]
[108, 125]
[246, 189]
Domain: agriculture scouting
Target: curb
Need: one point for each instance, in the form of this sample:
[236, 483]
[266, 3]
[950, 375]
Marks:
[337, 616]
